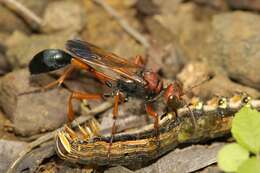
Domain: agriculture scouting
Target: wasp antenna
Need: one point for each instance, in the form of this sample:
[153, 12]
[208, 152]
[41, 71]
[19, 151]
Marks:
[196, 85]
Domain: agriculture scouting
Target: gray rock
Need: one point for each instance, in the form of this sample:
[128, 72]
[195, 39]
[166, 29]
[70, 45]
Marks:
[220, 85]
[196, 72]
[234, 44]
[253, 5]
[9, 22]
[188, 28]
[185, 160]
[63, 15]
[216, 40]
[215, 4]
[33, 161]
[31, 113]
[4, 65]
[118, 169]
[210, 169]
[9, 150]
[147, 7]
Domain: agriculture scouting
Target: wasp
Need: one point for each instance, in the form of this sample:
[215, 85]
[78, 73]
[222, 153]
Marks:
[126, 78]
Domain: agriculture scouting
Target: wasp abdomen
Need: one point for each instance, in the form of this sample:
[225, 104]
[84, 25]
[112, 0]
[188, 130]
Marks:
[49, 60]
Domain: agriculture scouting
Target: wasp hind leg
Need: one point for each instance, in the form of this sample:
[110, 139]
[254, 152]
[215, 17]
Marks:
[79, 96]
[151, 112]
[115, 113]
[58, 82]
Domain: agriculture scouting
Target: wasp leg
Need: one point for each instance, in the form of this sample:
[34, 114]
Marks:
[79, 96]
[138, 60]
[59, 81]
[115, 113]
[151, 112]
[75, 64]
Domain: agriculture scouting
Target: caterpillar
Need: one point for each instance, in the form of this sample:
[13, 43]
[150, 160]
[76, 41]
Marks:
[213, 120]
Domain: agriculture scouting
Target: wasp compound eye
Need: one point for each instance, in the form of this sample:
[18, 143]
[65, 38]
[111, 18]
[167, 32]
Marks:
[49, 60]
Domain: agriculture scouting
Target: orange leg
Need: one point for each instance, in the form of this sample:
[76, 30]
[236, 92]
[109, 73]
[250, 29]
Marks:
[151, 112]
[138, 60]
[115, 113]
[59, 81]
[79, 96]
[75, 64]
[79, 65]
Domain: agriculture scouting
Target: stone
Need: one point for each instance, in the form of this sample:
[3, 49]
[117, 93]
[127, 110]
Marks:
[210, 169]
[31, 113]
[9, 22]
[105, 32]
[147, 7]
[64, 15]
[189, 159]
[253, 5]
[236, 50]
[215, 40]
[118, 169]
[9, 150]
[188, 25]
[6, 128]
[4, 65]
[194, 73]
[222, 86]
[218, 84]
[215, 4]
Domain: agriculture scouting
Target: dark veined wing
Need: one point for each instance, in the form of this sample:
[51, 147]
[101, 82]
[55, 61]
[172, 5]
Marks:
[107, 61]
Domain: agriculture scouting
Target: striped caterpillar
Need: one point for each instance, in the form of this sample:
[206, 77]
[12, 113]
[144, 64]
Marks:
[213, 120]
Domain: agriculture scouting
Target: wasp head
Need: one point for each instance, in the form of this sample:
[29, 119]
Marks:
[174, 92]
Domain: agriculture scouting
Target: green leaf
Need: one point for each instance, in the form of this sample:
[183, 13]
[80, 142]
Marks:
[251, 165]
[246, 129]
[231, 156]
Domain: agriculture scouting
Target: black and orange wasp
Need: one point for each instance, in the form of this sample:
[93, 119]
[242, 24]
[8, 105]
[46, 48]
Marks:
[126, 78]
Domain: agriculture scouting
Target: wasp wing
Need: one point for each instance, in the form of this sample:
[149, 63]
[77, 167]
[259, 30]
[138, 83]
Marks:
[110, 63]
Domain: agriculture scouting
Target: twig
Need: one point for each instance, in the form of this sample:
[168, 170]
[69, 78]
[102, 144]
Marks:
[104, 106]
[29, 16]
[124, 24]
[80, 120]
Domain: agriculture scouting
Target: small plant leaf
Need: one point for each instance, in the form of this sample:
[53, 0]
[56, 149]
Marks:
[246, 129]
[251, 165]
[231, 156]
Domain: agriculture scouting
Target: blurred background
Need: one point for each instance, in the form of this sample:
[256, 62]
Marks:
[188, 40]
